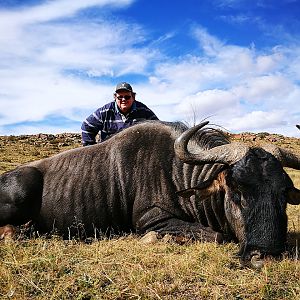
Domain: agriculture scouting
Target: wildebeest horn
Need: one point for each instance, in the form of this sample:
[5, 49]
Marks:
[225, 154]
[290, 160]
[287, 158]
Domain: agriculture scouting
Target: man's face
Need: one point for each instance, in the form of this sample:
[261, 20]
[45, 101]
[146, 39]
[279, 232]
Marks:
[124, 100]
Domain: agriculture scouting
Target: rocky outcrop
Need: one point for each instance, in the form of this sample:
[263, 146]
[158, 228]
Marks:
[43, 139]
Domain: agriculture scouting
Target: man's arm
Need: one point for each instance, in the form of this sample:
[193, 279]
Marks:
[90, 128]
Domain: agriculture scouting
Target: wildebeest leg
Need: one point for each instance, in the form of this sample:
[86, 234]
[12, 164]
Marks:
[194, 231]
[159, 220]
[20, 196]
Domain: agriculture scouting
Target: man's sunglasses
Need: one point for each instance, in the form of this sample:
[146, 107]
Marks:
[127, 97]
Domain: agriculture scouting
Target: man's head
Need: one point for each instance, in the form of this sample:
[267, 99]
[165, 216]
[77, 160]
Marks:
[124, 96]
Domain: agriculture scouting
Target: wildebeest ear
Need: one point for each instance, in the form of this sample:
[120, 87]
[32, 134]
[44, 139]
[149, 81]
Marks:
[294, 196]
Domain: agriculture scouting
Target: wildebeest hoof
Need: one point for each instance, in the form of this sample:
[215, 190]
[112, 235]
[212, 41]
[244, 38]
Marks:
[219, 238]
[7, 232]
[149, 238]
[167, 238]
[178, 239]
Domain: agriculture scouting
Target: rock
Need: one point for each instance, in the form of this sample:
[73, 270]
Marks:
[149, 238]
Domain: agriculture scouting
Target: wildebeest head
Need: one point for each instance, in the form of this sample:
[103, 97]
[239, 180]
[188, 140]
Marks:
[256, 191]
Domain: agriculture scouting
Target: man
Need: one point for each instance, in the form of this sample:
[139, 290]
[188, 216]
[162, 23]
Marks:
[123, 112]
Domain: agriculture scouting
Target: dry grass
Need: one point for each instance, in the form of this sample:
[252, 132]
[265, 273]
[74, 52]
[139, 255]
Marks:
[295, 176]
[16, 150]
[124, 268]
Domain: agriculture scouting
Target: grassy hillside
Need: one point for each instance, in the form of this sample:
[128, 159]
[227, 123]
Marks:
[125, 268]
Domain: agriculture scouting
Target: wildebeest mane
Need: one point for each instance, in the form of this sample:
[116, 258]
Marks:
[211, 137]
[206, 138]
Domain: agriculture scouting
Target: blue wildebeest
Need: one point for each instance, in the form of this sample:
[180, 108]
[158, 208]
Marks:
[159, 177]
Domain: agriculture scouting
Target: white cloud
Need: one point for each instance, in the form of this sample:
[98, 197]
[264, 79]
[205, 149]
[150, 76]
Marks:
[209, 103]
[264, 89]
[258, 119]
[52, 10]
[210, 44]
[41, 64]
[228, 3]
[42, 93]
[20, 28]
[232, 83]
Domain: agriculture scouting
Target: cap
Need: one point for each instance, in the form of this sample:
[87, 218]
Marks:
[124, 86]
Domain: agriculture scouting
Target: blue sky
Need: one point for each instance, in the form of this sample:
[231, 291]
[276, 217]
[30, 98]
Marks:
[235, 62]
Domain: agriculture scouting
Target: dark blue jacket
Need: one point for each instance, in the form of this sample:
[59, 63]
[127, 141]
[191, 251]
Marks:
[108, 120]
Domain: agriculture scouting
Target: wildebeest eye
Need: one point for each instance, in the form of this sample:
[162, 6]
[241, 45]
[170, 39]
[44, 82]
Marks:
[244, 203]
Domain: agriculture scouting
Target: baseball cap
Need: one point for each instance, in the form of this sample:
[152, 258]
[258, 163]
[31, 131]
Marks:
[124, 86]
